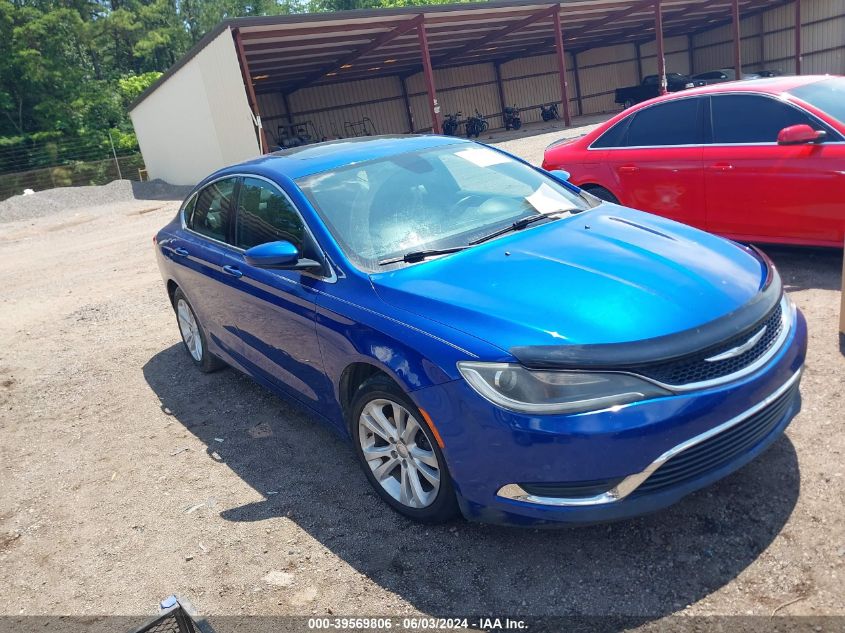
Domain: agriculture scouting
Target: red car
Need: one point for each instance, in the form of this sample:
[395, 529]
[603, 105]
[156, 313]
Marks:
[757, 161]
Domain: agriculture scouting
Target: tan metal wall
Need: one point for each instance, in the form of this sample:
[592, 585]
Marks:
[675, 52]
[767, 42]
[330, 108]
[714, 49]
[602, 70]
[463, 89]
[533, 81]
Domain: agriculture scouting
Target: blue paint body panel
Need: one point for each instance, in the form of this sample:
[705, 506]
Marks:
[607, 275]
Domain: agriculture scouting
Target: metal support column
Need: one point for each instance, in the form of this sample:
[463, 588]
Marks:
[661, 55]
[575, 72]
[797, 37]
[737, 39]
[288, 113]
[428, 72]
[502, 103]
[250, 92]
[639, 62]
[691, 53]
[407, 101]
[561, 68]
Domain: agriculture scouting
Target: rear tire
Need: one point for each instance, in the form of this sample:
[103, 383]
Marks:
[403, 462]
[193, 335]
[601, 192]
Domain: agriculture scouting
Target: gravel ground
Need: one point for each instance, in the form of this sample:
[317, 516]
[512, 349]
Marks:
[128, 476]
[57, 201]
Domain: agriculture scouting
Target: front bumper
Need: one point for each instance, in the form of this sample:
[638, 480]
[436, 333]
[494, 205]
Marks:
[491, 452]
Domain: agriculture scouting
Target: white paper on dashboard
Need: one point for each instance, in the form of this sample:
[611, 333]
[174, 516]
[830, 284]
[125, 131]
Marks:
[482, 157]
[547, 200]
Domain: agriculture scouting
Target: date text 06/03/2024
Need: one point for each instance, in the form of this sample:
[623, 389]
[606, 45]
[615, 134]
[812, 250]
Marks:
[418, 624]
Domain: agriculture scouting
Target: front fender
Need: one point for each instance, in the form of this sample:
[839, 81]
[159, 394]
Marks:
[413, 354]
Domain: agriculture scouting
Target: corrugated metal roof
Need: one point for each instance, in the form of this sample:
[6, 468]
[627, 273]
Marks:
[286, 53]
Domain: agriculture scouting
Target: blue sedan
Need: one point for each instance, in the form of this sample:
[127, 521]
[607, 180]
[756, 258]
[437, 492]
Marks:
[492, 340]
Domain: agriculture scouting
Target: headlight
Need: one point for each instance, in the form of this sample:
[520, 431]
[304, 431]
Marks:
[689, 85]
[519, 389]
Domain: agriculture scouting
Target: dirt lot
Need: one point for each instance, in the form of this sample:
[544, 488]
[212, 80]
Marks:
[128, 476]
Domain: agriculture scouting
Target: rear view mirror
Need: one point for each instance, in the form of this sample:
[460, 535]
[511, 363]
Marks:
[801, 134]
[280, 254]
[561, 175]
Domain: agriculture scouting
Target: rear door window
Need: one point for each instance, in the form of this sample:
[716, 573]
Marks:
[266, 215]
[666, 124]
[212, 212]
[744, 119]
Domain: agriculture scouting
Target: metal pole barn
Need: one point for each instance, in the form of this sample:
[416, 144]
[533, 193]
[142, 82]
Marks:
[434, 107]
[661, 56]
[561, 68]
[737, 39]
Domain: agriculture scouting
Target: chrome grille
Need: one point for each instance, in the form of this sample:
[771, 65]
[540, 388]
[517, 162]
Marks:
[695, 368]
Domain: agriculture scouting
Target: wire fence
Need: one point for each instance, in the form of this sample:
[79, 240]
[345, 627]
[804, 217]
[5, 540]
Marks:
[65, 163]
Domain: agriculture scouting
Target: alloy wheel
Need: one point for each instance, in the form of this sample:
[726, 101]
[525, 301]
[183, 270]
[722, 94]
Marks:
[399, 453]
[189, 329]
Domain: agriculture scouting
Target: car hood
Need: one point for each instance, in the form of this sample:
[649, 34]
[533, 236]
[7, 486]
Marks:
[608, 275]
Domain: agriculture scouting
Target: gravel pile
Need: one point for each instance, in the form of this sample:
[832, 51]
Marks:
[50, 201]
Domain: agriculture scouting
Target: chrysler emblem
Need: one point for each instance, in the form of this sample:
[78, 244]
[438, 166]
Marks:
[739, 349]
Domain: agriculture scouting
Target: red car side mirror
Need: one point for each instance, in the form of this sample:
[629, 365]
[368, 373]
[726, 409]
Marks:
[801, 134]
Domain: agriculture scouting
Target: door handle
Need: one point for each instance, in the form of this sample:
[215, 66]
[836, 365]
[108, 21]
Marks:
[181, 252]
[721, 167]
[231, 270]
[628, 169]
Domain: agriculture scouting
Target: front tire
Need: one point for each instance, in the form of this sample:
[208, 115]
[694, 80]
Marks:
[193, 335]
[601, 192]
[399, 453]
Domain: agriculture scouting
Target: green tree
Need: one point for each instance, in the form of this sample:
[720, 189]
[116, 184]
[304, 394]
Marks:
[70, 68]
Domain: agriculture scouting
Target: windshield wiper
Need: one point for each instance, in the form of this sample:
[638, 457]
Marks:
[418, 256]
[516, 226]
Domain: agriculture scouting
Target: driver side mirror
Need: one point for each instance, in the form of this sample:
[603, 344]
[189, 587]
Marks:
[801, 134]
[281, 254]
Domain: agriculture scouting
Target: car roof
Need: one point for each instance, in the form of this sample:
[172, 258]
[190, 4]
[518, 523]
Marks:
[306, 160]
[768, 85]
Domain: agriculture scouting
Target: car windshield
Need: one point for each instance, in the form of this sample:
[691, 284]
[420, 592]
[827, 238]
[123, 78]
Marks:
[441, 198]
[827, 95]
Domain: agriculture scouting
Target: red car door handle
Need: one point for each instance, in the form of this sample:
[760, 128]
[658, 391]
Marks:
[628, 169]
[721, 167]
